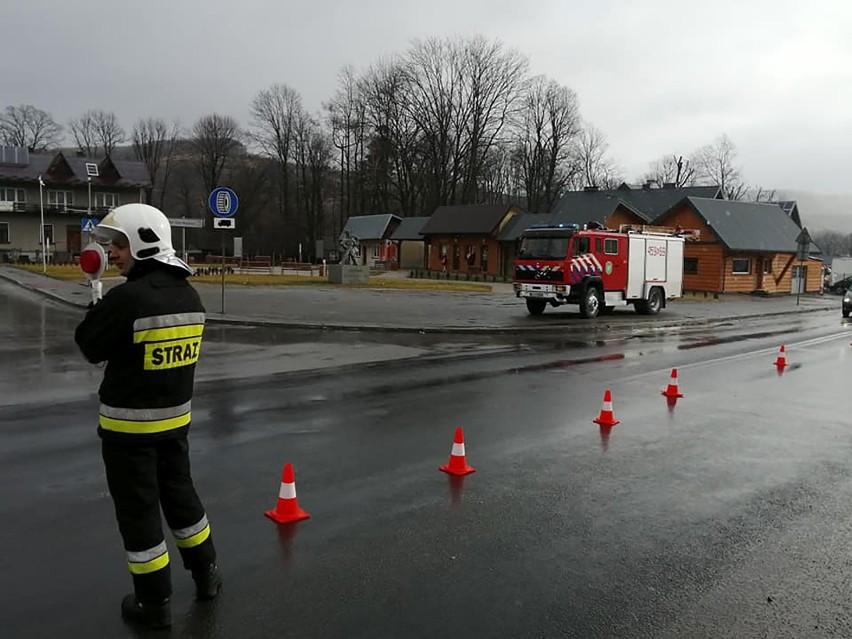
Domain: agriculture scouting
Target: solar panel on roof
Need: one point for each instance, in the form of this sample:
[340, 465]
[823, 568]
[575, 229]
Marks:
[14, 155]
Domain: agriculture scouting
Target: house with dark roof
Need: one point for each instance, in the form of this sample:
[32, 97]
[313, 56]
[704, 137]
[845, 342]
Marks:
[374, 235]
[463, 239]
[646, 202]
[743, 247]
[410, 244]
[74, 189]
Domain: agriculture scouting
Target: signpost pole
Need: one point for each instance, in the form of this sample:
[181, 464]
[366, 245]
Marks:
[223, 203]
[41, 204]
[804, 244]
[799, 287]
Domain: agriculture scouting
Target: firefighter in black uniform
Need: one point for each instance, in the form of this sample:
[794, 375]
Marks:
[149, 330]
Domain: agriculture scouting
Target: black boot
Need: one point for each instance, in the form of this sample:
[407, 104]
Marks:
[151, 615]
[207, 582]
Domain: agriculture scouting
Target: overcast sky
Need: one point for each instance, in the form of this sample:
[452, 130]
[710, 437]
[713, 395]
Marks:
[656, 76]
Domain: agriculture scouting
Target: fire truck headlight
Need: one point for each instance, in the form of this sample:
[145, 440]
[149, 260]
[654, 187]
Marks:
[560, 289]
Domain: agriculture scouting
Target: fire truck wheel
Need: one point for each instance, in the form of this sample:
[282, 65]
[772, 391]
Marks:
[653, 304]
[536, 307]
[591, 304]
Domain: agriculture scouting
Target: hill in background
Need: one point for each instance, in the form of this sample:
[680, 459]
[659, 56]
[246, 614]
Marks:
[822, 212]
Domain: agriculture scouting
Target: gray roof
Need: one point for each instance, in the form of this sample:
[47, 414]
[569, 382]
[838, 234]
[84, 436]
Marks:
[370, 227]
[593, 209]
[792, 209]
[647, 203]
[596, 210]
[748, 226]
[37, 165]
[410, 228]
[467, 219]
[129, 174]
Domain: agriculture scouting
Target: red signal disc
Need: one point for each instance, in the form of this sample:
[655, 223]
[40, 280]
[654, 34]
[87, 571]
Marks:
[90, 262]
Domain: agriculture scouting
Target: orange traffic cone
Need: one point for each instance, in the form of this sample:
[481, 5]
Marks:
[607, 418]
[287, 509]
[781, 362]
[458, 462]
[671, 390]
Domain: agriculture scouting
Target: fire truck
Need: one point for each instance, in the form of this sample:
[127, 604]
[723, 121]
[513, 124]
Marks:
[599, 268]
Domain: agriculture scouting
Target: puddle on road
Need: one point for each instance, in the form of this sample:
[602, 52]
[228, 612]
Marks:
[731, 339]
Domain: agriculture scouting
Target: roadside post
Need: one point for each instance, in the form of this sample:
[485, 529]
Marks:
[184, 223]
[223, 203]
[803, 240]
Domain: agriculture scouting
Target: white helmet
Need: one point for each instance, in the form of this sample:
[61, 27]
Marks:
[148, 233]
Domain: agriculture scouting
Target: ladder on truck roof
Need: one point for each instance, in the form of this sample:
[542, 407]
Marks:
[650, 229]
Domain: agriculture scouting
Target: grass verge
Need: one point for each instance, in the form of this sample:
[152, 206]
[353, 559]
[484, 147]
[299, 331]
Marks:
[74, 274]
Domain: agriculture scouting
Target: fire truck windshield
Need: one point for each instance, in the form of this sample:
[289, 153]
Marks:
[538, 247]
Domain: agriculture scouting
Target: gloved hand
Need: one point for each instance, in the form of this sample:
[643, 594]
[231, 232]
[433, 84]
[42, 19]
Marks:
[97, 292]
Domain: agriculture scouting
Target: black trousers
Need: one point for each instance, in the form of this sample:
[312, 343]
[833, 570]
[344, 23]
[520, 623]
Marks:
[142, 477]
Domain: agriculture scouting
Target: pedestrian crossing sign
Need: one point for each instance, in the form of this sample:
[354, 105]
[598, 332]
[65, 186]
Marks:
[88, 224]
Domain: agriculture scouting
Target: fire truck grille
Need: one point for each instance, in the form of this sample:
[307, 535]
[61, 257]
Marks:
[539, 274]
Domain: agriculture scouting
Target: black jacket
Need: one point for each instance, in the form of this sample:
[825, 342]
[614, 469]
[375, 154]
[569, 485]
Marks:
[148, 330]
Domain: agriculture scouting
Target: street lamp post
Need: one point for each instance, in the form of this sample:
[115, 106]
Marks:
[89, 211]
[43, 243]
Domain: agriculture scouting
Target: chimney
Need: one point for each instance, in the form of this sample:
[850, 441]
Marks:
[590, 189]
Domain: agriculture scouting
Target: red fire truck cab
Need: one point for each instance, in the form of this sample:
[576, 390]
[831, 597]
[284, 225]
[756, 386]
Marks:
[599, 269]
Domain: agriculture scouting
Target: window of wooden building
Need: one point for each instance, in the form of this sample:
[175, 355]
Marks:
[741, 266]
[690, 266]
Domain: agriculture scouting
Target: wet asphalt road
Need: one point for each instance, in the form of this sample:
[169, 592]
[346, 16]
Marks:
[726, 516]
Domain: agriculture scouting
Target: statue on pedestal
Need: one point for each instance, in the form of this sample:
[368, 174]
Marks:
[350, 249]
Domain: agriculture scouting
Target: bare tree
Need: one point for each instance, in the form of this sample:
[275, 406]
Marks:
[549, 123]
[109, 132]
[275, 112]
[253, 178]
[97, 132]
[346, 115]
[595, 168]
[672, 169]
[761, 194]
[154, 144]
[433, 71]
[715, 163]
[500, 176]
[493, 81]
[215, 139]
[313, 151]
[460, 96]
[25, 125]
[833, 243]
[389, 114]
[83, 131]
